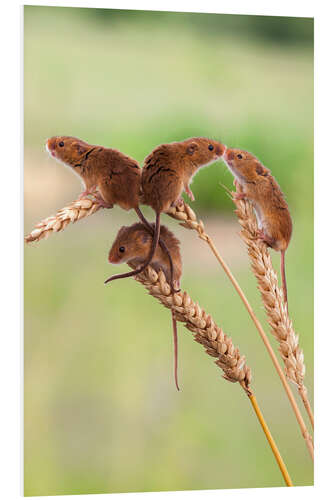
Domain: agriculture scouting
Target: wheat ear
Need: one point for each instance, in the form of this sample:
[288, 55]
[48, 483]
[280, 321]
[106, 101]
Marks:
[188, 219]
[216, 343]
[272, 297]
[71, 213]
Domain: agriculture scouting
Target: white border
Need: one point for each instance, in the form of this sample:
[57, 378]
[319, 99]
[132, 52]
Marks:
[11, 225]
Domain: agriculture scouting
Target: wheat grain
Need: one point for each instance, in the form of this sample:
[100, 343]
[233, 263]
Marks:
[216, 343]
[207, 333]
[73, 212]
[272, 297]
[188, 219]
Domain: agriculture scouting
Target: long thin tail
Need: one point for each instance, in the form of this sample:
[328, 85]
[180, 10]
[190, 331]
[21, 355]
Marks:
[149, 258]
[283, 277]
[175, 348]
[162, 245]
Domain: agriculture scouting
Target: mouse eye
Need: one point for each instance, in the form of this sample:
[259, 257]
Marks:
[61, 144]
[210, 147]
[121, 249]
[240, 156]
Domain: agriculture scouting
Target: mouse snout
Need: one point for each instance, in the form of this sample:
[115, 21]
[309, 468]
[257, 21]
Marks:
[112, 258]
[220, 150]
[50, 145]
[228, 155]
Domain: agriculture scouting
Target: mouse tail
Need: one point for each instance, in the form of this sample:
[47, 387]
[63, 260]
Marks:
[283, 277]
[175, 348]
[162, 245]
[147, 261]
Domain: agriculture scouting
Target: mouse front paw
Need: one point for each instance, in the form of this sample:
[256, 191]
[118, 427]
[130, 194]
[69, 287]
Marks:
[101, 202]
[189, 193]
[179, 203]
[239, 196]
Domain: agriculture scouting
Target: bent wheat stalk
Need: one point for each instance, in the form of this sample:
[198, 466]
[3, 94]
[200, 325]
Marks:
[272, 297]
[188, 219]
[73, 212]
[216, 343]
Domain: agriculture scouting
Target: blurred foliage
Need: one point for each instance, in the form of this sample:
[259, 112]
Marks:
[285, 30]
[101, 411]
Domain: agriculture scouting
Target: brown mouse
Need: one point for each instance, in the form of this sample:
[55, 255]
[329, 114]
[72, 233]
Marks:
[255, 182]
[132, 245]
[168, 171]
[112, 177]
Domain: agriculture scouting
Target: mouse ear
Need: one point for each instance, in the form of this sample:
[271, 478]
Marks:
[145, 237]
[192, 148]
[261, 170]
[80, 148]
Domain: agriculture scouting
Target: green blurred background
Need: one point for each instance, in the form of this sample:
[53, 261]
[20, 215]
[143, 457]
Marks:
[101, 410]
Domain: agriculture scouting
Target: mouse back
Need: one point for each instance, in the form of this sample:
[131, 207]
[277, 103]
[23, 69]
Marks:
[116, 175]
[265, 194]
[169, 168]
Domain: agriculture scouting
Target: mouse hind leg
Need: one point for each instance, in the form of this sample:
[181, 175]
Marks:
[266, 238]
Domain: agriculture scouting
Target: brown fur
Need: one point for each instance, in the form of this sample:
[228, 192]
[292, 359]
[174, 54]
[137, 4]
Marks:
[116, 176]
[169, 168]
[137, 242]
[260, 187]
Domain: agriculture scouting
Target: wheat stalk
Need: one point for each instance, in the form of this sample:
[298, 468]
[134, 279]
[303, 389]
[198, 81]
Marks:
[73, 212]
[272, 297]
[84, 207]
[216, 343]
[188, 219]
[207, 333]
[199, 322]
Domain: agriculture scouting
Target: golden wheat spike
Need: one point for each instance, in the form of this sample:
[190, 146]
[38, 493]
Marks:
[73, 212]
[188, 219]
[272, 297]
[216, 343]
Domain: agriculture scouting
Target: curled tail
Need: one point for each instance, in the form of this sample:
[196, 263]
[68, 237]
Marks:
[175, 348]
[162, 245]
[283, 277]
[149, 258]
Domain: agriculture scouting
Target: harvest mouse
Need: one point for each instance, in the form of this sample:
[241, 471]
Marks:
[112, 177]
[132, 245]
[255, 183]
[168, 171]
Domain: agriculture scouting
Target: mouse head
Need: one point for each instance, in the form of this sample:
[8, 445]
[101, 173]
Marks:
[200, 151]
[68, 150]
[132, 242]
[244, 165]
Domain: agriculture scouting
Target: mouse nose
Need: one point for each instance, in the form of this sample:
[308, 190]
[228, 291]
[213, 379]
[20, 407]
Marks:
[228, 154]
[220, 149]
[113, 258]
[50, 143]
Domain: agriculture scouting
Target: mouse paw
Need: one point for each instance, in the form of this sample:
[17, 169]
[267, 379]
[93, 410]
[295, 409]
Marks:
[189, 193]
[239, 196]
[101, 202]
[179, 203]
[265, 238]
[87, 192]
